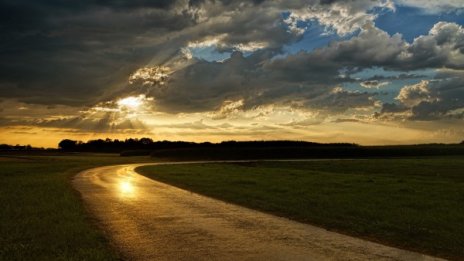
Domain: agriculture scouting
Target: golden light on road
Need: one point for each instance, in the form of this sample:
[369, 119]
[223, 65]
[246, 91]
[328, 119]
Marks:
[126, 188]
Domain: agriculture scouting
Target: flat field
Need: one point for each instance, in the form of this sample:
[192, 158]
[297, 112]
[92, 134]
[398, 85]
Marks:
[41, 216]
[414, 203]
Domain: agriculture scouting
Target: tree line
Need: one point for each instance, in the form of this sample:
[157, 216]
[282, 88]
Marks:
[118, 146]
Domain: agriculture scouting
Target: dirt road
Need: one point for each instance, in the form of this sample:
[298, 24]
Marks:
[149, 220]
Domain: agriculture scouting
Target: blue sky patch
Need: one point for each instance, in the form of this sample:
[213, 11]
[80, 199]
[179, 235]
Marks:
[396, 80]
[209, 53]
[315, 36]
[412, 22]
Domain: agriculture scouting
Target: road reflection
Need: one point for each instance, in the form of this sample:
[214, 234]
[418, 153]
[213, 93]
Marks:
[126, 188]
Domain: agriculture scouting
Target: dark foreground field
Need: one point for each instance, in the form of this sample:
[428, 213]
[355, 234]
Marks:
[42, 217]
[410, 203]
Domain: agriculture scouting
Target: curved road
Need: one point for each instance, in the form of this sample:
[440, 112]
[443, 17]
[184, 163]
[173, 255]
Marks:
[149, 220]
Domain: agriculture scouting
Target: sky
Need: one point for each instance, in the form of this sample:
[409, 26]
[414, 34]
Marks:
[362, 71]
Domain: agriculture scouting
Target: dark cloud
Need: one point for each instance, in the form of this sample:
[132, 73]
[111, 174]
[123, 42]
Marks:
[327, 2]
[401, 76]
[204, 86]
[74, 52]
[71, 52]
[449, 102]
[393, 108]
[373, 84]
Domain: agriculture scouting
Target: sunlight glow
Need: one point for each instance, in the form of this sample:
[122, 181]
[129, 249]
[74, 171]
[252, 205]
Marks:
[131, 102]
[126, 187]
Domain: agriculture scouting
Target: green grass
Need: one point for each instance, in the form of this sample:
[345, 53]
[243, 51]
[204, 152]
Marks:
[42, 217]
[416, 204]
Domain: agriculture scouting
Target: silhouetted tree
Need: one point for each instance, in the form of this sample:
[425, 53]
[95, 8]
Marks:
[250, 149]
[147, 144]
[67, 144]
[146, 141]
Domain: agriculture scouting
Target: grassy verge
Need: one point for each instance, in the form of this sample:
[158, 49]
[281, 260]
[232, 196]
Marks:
[41, 217]
[410, 203]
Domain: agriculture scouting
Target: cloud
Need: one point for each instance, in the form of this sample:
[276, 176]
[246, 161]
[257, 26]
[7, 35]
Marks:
[340, 100]
[122, 115]
[93, 54]
[261, 79]
[432, 6]
[412, 95]
[255, 81]
[71, 53]
[392, 108]
[74, 53]
[373, 84]
[150, 76]
[227, 109]
[440, 98]
[81, 53]
[401, 76]
[441, 48]
[372, 47]
[448, 91]
[343, 17]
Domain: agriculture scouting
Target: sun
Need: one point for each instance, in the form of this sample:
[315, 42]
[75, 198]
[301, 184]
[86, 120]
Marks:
[131, 102]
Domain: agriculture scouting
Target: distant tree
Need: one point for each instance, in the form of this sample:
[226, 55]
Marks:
[67, 144]
[146, 141]
[5, 147]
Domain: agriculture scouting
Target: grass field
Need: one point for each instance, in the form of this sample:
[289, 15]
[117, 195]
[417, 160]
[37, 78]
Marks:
[415, 204]
[42, 217]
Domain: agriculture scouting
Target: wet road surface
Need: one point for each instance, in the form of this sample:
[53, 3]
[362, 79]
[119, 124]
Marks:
[149, 220]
